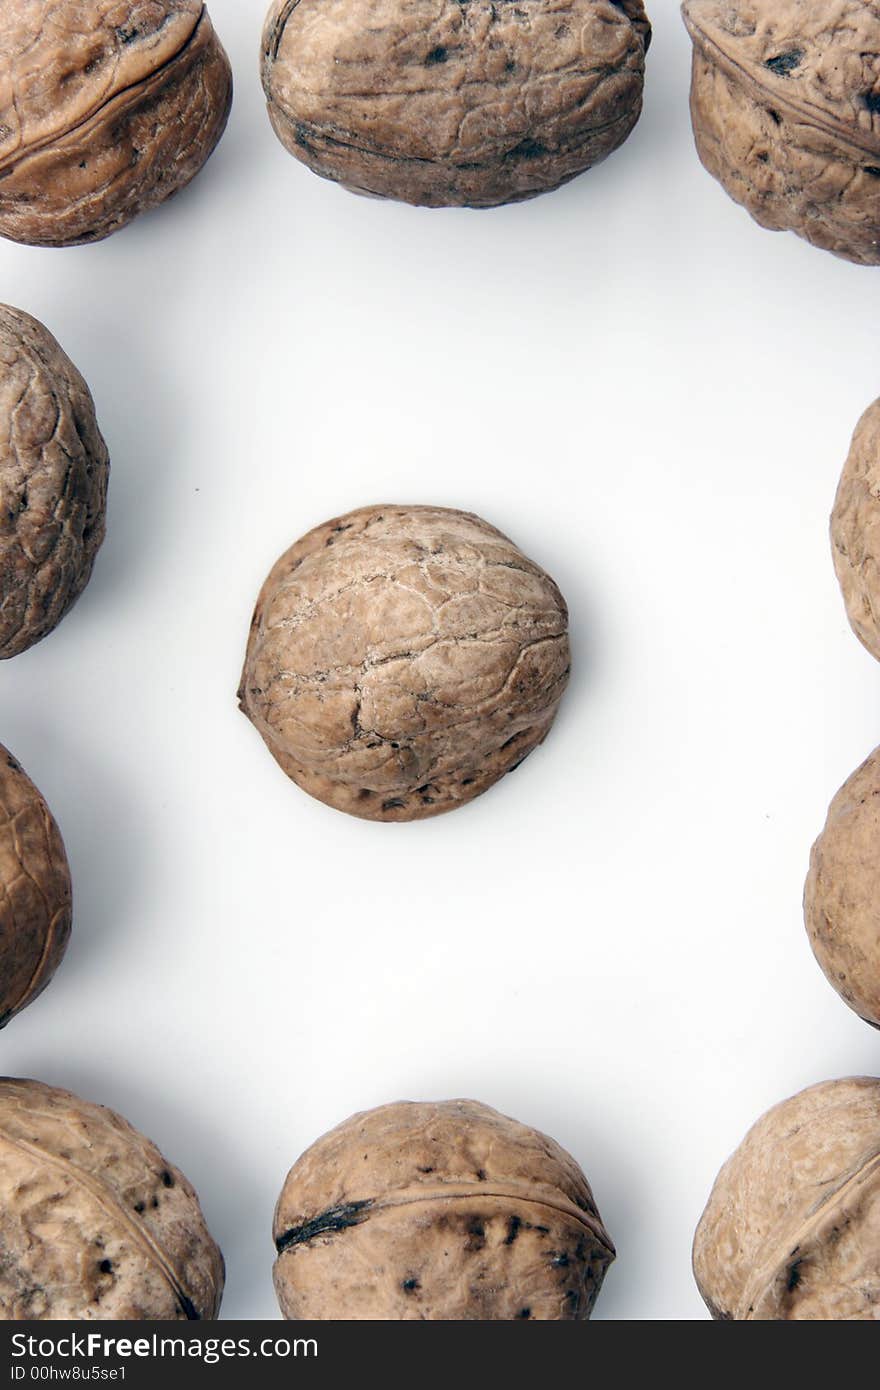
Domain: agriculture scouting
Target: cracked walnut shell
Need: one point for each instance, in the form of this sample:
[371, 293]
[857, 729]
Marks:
[35, 891]
[402, 659]
[439, 1211]
[842, 894]
[785, 101]
[54, 469]
[855, 531]
[460, 103]
[107, 107]
[791, 1231]
[94, 1223]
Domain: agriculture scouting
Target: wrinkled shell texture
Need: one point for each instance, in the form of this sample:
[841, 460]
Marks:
[449, 103]
[35, 892]
[792, 1227]
[842, 895]
[94, 1223]
[855, 531]
[438, 1211]
[402, 659]
[785, 102]
[107, 107]
[54, 470]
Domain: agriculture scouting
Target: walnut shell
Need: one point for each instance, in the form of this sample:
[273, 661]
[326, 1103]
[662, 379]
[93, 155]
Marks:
[842, 894]
[35, 892]
[792, 1227]
[107, 107]
[458, 103]
[855, 531]
[785, 101]
[94, 1223]
[402, 659]
[441, 1211]
[54, 469]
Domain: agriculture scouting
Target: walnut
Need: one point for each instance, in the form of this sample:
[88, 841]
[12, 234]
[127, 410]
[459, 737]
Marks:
[107, 107]
[53, 482]
[457, 103]
[444, 1211]
[792, 1227]
[402, 659]
[855, 531]
[94, 1223]
[842, 895]
[785, 103]
[35, 894]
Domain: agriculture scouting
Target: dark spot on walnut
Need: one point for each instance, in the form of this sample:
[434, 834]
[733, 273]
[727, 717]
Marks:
[167, 1178]
[784, 63]
[871, 101]
[774, 116]
[481, 1175]
[873, 170]
[106, 1266]
[328, 1223]
[476, 1233]
[140, 1208]
[524, 1313]
[794, 1276]
[527, 149]
[514, 1226]
[437, 55]
[395, 804]
[410, 1285]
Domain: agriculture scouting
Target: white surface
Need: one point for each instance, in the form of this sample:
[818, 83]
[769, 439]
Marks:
[654, 397]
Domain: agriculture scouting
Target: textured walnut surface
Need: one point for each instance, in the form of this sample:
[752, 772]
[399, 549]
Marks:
[438, 1211]
[402, 659]
[842, 895]
[792, 1227]
[449, 104]
[94, 1222]
[35, 893]
[786, 110]
[53, 482]
[855, 531]
[107, 107]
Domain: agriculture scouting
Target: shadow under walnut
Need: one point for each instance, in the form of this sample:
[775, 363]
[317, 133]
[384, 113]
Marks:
[403, 659]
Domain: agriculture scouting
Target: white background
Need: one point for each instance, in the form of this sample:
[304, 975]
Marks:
[654, 398]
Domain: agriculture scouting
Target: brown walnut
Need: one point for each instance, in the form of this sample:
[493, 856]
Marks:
[842, 894]
[459, 103]
[855, 531]
[444, 1211]
[107, 107]
[54, 469]
[35, 892]
[94, 1223]
[402, 659]
[785, 101]
[792, 1227]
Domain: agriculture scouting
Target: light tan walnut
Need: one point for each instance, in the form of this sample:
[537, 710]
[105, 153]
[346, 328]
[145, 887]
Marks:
[785, 101]
[792, 1227]
[402, 659]
[94, 1223]
[107, 107]
[54, 469]
[454, 102]
[439, 1211]
[35, 892]
[855, 531]
[842, 894]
